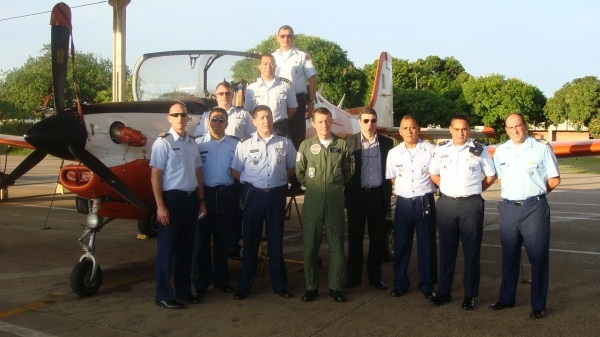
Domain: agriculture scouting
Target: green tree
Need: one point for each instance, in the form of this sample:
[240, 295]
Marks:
[493, 98]
[337, 76]
[22, 90]
[577, 102]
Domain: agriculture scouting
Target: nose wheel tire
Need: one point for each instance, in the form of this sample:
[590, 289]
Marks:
[81, 278]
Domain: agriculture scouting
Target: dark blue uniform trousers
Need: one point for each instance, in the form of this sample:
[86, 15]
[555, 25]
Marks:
[460, 219]
[529, 224]
[263, 206]
[408, 217]
[213, 238]
[175, 246]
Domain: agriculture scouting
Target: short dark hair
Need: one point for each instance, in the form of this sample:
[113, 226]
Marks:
[367, 111]
[225, 84]
[285, 27]
[219, 110]
[408, 117]
[321, 110]
[460, 118]
[261, 107]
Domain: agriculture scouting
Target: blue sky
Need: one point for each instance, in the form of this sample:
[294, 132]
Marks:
[546, 43]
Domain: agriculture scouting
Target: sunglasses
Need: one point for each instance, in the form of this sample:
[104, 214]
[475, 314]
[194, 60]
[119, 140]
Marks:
[179, 114]
[217, 120]
[225, 93]
[374, 120]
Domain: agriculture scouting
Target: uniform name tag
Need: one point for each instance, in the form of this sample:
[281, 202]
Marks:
[335, 150]
[253, 151]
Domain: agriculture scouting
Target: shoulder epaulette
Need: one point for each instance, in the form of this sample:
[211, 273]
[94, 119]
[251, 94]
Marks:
[235, 137]
[477, 149]
[163, 134]
[541, 140]
[443, 143]
[283, 79]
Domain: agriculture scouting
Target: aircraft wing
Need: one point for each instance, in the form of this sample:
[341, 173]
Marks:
[18, 141]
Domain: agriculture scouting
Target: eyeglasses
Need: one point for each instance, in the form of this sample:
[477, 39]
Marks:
[225, 93]
[179, 114]
[286, 36]
[373, 120]
[217, 120]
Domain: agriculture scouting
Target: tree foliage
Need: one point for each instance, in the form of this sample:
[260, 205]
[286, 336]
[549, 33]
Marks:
[22, 90]
[577, 102]
[337, 77]
[493, 98]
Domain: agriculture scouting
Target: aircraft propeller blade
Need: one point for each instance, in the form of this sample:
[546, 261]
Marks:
[33, 159]
[91, 162]
[60, 35]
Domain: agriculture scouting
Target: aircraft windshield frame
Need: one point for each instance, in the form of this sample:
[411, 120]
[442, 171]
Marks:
[190, 73]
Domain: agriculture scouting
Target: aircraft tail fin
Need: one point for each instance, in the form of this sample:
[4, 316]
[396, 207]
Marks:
[382, 95]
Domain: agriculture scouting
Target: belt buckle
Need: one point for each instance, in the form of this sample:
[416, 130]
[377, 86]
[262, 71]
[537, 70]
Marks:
[518, 203]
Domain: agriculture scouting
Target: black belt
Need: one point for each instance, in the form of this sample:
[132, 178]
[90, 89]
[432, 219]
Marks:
[473, 196]
[526, 201]
[369, 189]
[184, 193]
[415, 198]
[266, 190]
[218, 188]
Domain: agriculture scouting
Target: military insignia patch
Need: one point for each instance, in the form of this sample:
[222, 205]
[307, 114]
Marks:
[315, 149]
[311, 172]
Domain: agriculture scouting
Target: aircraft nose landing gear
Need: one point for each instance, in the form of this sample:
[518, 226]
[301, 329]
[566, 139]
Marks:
[86, 276]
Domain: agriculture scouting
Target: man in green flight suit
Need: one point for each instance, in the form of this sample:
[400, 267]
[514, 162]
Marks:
[324, 164]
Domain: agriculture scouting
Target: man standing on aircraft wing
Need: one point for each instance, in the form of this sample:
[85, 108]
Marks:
[324, 165]
[263, 163]
[527, 171]
[296, 66]
[275, 92]
[462, 168]
[214, 231]
[408, 168]
[177, 185]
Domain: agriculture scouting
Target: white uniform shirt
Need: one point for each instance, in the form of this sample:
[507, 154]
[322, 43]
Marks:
[524, 173]
[460, 170]
[279, 97]
[239, 124]
[410, 169]
[296, 67]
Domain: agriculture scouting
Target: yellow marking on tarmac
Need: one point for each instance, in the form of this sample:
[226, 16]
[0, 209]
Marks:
[57, 297]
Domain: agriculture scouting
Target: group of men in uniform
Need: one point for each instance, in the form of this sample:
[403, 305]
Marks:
[195, 181]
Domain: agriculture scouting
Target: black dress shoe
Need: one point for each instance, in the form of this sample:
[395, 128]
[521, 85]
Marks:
[170, 304]
[310, 295]
[500, 306]
[191, 299]
[440, 299]
[349, 284]
[337, 296]
[225, 288]
[537, 314]
[283, 293]
[379, 285]
[428, 295]
[468, 303]
[240, 295]
[200, 294]
[397, 293]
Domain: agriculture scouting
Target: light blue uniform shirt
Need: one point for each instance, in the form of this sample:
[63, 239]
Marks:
[264, 163]
[524, 173]
[239, 124]
[460, 170]
[216, 159]
[411, 169]
[178, 158]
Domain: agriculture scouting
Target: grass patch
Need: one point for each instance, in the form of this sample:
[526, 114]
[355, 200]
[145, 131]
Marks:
[580, 165]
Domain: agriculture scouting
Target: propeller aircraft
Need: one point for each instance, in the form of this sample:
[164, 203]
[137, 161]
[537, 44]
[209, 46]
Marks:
[111, 142]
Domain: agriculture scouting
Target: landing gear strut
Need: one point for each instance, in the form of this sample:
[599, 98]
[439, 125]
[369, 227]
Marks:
[86, 276]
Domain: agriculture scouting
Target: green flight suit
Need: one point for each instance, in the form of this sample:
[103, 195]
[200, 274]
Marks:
[324, 172]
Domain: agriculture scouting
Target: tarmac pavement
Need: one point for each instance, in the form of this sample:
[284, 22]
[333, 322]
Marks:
[39, 247]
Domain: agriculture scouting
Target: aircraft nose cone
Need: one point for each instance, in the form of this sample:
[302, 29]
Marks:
[53, 134]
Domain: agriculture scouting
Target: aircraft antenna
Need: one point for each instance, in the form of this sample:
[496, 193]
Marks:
[44, 226]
